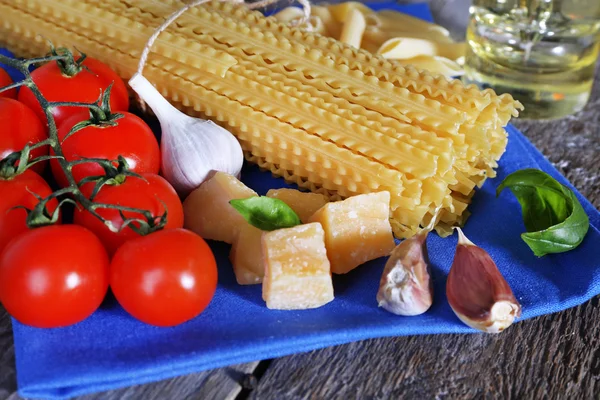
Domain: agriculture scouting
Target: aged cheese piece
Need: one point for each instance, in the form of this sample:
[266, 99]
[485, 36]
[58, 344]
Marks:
[297, 274]
[356, 230]
[246, 256]
[207, 210]
[303, 203]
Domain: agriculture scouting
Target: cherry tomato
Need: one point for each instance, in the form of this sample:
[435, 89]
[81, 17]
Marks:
[152, 194]
[53, 276]
[17, 191]
[130, 138]
[165, 278]
[119, 93]
[20, 126]
[6, 80]
[82, 87]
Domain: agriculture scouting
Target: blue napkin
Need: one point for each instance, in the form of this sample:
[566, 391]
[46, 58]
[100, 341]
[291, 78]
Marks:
[111, 349]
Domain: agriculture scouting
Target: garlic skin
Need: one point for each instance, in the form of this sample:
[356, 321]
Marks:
[406, 287]
[192, 149]
[477, 292]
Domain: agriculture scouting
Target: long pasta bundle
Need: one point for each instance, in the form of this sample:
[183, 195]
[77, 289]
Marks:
[324, 115]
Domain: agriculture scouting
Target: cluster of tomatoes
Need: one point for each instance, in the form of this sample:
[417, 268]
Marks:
[58, 275]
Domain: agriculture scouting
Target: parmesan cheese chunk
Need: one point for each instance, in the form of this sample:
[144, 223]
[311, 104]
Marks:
[246, 256]
[303, 203]
[357, 230]
[297, 271]
[208, 213]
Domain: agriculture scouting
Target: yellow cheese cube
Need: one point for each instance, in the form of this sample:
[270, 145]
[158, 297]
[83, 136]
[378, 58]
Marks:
[356, 230]
[297, 274]
[246, 256]
[303, 203]
[207, 210]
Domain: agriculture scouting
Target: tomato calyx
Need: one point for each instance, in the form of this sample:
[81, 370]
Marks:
[100, 114]
[17, 162]
[146, 226]
[39, 215]
[67, 63]
[114, 175]
[14, 164]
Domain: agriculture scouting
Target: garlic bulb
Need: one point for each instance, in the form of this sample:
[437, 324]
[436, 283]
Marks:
[191, 148]
[406, 287]
[477, 292]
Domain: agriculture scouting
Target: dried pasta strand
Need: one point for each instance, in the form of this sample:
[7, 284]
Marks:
[312, 63]
[454, 92]
[315, 111]
[316, 96]
[368, 142]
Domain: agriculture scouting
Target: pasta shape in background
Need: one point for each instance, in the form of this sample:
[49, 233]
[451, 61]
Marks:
[391, 34]
[404, 48]
[354, 28]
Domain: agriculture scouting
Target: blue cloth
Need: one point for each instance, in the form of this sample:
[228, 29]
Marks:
[111, 349]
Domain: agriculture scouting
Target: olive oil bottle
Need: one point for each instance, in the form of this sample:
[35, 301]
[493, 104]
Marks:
[543, 52]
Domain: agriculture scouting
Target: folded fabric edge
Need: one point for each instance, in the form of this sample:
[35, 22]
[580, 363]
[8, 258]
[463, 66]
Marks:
[187, 367]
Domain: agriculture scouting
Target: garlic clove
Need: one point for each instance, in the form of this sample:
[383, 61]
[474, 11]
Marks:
[192, 149]
[406, 287]
[477, 292]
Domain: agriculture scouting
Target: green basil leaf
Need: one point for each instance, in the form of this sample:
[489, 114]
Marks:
[266, 213]
[561, 237]
[543, 200]
[555, 220]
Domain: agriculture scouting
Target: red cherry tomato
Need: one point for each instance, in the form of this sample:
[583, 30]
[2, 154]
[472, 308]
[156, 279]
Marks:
[17, 191]
[152, 194]
[82, 87]
[119, 94]
[5, 80]
[165, 278]
[130, 138]
[53, 276]
[20, 126]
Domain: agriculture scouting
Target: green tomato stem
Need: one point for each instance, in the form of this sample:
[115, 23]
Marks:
[72, 188]
[12, 86]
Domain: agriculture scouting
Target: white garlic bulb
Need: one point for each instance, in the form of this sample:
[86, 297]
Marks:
[191, 148]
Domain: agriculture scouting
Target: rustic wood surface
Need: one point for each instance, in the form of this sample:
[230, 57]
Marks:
[555, 356]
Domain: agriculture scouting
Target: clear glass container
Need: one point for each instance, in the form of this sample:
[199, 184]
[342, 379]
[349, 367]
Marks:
[543, 52]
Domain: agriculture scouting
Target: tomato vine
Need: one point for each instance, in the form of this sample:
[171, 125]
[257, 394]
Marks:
[17, 162]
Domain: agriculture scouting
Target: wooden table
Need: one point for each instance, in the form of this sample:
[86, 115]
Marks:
[553, 356]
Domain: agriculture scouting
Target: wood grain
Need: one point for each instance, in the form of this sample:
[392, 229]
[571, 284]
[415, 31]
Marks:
[223, 383]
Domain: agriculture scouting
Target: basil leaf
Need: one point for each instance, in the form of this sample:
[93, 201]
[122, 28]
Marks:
[266, 213]
[561, 237]
[555, 220]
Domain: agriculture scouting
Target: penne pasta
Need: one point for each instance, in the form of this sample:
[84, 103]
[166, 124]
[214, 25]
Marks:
[392, 19]
[331, 27]
[289, 14]
[381, 35]
[342, 11]
[403, 48]
[436, 65]
[354, 28]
